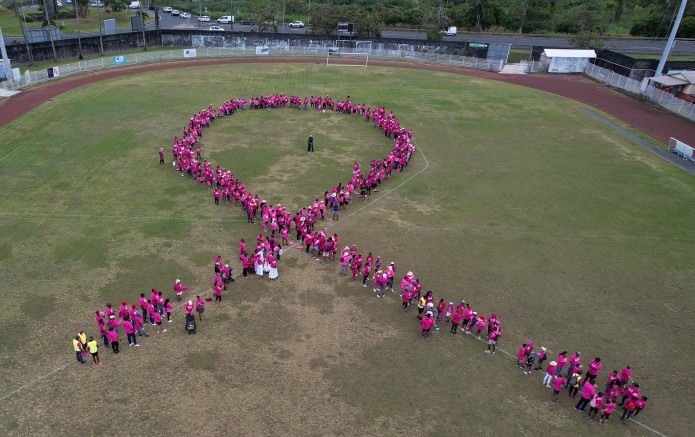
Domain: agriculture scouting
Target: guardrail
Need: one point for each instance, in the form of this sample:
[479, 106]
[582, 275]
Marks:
[30, 78]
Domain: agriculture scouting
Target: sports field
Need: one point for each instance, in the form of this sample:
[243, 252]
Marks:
[517, 201]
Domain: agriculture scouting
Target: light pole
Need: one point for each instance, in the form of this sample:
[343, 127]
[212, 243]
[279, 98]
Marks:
[50, 31]
[669, 43]
[101, 41]
[283, 16]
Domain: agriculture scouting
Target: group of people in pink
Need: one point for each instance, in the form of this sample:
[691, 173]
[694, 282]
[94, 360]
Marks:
[132, 319]
[569, 373]
[277, 225]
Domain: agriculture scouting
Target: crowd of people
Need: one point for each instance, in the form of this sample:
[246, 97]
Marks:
[277, 223]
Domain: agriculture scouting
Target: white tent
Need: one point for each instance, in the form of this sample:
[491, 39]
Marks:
[567, 60]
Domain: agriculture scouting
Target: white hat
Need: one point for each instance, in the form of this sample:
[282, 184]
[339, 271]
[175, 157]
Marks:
[409, 274]
[178, 281]
[553, 363]
[543, 348]
[430, 305]
[190, 302]
[392, 263]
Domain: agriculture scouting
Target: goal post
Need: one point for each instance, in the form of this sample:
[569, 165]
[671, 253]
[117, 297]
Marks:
[350, 53]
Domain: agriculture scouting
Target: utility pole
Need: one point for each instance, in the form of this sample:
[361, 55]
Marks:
[671, 38]
[523, 17]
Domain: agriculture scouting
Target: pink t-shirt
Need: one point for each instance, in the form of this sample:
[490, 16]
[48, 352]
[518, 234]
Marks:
[456, 318]
[608, 408]
[594, 368]
[426, 323]
[557, 383]
[156, 317]
[588, 390]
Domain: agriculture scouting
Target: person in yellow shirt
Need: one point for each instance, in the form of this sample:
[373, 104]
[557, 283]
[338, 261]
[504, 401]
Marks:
[77, 345]
[83, 339]
[93, 348]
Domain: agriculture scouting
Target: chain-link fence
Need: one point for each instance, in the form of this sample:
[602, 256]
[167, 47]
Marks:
[35, 77]
[667, 100]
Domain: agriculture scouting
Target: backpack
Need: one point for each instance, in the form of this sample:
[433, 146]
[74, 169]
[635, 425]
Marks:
[574, 381]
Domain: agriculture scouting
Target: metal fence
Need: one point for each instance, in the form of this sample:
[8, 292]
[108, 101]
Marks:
[35, 77]
[667, 100]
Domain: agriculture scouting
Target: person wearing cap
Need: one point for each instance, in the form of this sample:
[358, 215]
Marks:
[139, 325]
[161, 156]
[77, 346]
[550, 373]
[179, 289]
[450, 311]
[310, 144]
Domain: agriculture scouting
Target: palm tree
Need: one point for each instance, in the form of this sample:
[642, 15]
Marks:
[47, 22]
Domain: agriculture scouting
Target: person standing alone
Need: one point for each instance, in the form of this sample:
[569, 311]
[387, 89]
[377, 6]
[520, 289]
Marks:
[310, 144]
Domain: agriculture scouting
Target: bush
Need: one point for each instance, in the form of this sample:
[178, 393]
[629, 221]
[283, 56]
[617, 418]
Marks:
[687, 28]
[649, 26]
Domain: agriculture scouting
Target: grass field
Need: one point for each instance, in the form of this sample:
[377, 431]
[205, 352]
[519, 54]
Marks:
[578, 238]
[90, 23]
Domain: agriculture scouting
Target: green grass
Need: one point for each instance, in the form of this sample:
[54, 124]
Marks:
[10, 25]
[577, 237]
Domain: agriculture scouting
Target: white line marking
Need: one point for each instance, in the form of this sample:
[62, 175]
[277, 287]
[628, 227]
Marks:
[427, 164]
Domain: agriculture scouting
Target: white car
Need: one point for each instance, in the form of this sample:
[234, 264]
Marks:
[216, 29]
[97, 4]
[225, 19]
[204, 18]
[60, 5]
[175, 12]
[297, 24]
[168, 9]
[185, 15]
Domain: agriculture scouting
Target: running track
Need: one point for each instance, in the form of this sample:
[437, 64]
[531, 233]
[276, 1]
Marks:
[657, 123]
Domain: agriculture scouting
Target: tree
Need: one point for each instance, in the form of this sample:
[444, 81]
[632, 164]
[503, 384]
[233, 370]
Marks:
[324, 19]
[618, 11]
[82, 7]
[687, 28]
[115, 5]
[368, 23]
[263, 13]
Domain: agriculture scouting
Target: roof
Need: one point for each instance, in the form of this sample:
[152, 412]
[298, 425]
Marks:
[569, 53]
[669, 80]
[688, 76]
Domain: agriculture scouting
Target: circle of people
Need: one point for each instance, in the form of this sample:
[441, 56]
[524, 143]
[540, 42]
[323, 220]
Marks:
[187, 156]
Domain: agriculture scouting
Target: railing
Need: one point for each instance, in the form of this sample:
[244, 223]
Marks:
[667, 100]
[35, 77]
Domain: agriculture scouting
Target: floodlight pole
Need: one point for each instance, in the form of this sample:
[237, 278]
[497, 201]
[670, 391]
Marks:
[79, 39]
[101, 41]
[50, 32]
[5, 60]
[671, 38]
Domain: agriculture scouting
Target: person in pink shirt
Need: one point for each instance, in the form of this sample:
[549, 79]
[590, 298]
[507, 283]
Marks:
[426, 325]
[113, 339]
[450, 311]
[561, 362]
[550, 373]
[628, 410]
[218, 294]
[541, 357]
[574, 362]
[199, 307]
[188, 307]
[365, 274]
[150, 310]
[613, 378]
[641, 403]
[455, 321]
[606, 411]
[520, 355]
[588, 392]
[138, 325]
[406, 299]
[594, 368]
[441, 307]
[632, 392]
[130, 332]
[158, 322]
[625, 375]
[595, 406]
[558, 383]
[492, 341]
[124, 310]
[143, 306]
[179, 289]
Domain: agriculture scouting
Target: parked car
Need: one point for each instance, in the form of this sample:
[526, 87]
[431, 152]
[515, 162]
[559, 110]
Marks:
[185, 15]
[60, 5]
[225, 19]
[247, 22]
[134, 5]
[168, 9]
[216, 29]
[297, 24]
[96, 4]
[175, 12]
[204, 18]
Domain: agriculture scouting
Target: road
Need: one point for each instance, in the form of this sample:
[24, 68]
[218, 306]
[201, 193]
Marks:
[518, 42]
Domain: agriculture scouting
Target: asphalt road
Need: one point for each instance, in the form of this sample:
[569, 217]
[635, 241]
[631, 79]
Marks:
[518, 42]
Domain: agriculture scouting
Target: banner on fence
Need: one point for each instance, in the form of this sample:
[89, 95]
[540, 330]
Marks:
[118, 60]
[261, 51]
[189, 53]
[53, 72]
